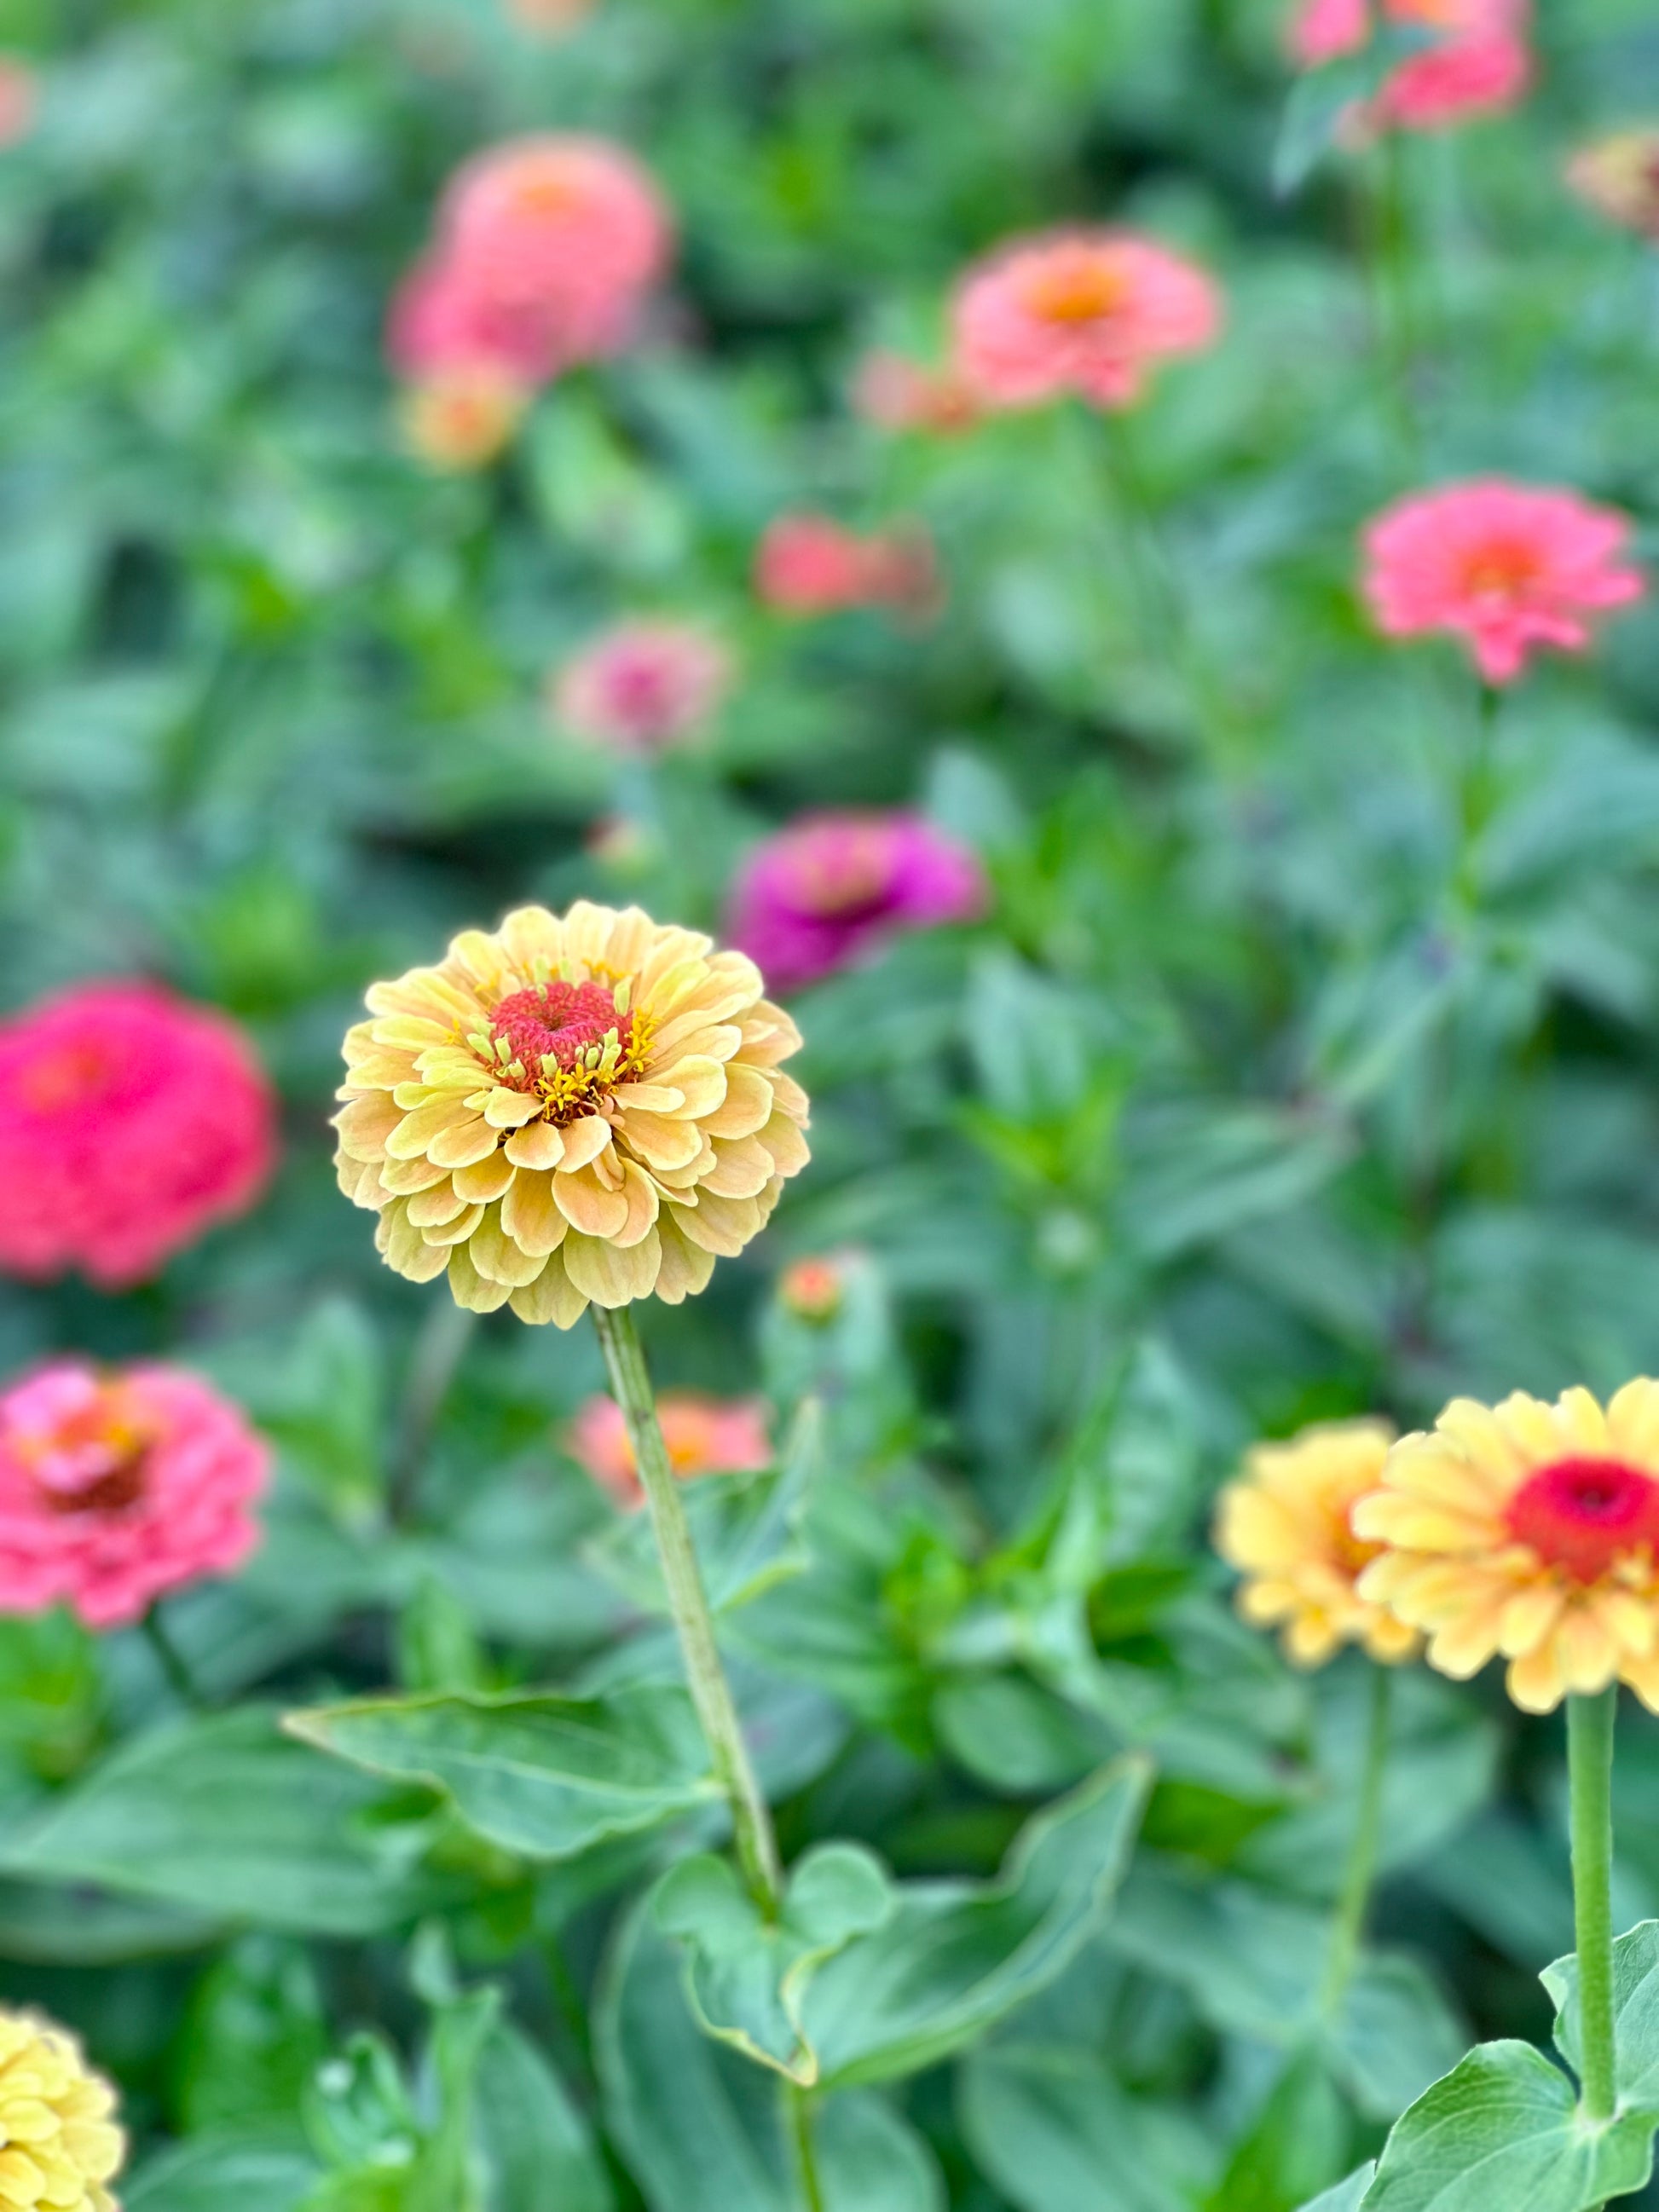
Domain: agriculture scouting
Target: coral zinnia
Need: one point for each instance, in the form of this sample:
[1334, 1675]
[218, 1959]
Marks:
[642, 685]
[704, 1435]
[1531, 1531]
[834, 885]
[1509, 567]
[59, 2142]
[20, 96]
[1620, 177]
[1089, 312]
[130, 1121]
[1478, 63]
[567, 1110]
[116, 1488]
[807, 564]
[896, 393]
[1285, 1526]
[463, 417]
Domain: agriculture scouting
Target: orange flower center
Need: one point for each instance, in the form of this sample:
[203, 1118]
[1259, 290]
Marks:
[557, 1022]
[92, 1460]
[1079, 290]
[66, 1076]
[548, 192]
[1502, 571]
[1586, 1516]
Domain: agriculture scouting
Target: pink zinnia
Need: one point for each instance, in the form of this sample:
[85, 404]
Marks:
[130, 1120]
[449, 320]
[642, 685]
[807, 564]
[704, 1435]
[20, 96]
[1507, 567]
[1481, 63]
[835, 885]
[1089, 312]
[116, 1488]
[896, 393]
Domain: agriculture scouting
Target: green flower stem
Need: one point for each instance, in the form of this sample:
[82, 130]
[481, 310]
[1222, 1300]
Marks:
[439, 1351]
[1348, 1929]
[751, 1822]
[798, 2104]
[1589, 1768]
[172, 1661]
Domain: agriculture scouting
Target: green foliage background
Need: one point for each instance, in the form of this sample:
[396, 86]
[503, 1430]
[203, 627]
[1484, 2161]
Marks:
[1263, 1096]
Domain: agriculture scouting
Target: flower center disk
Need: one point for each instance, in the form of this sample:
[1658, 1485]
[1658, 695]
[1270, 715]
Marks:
[1586, 1516]
[558, 1024]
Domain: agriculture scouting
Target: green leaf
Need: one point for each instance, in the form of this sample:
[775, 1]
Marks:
[1502, 2129]
[956, 1957]
[1321, 98]
[225, 1815]
[701, 2127]
[257, 2033]
[1348, 2195]
[538, 1774]
[746, 1975]
[255, 2172]
[1393, 2035]
[1056, 2133]
[746, 1529]
[536, 2146]
[1635, 2013]
[1297, 2142]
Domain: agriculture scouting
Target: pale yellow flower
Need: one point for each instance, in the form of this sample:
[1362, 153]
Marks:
[1284, 1525]
[1528, 1530]
[58, 2141]
[590, 1108]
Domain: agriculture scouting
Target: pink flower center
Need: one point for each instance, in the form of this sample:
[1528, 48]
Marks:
[66, 1076]
[1502, 571]
[1081, 289]
[641, 690]
[91, 1459]
[1585, 1516]
[556, 1022]
[845, 876]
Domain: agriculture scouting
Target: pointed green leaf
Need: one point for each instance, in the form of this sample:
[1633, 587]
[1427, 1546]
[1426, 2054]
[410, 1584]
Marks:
[1056, 2133]
[1348, 2195]
[1636, 2012]
[543, 1775]
[264, 2172]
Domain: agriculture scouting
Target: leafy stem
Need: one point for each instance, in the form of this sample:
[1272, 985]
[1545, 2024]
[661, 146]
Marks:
[1589, 1769]
[1348, 1929]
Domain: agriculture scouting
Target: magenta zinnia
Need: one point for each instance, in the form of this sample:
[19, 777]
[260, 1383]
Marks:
[566, 1110]
[118, 1487]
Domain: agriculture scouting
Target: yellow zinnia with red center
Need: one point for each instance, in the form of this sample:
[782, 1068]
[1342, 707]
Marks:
[1528, 1530]
[566, 1110]
[1285, 1525]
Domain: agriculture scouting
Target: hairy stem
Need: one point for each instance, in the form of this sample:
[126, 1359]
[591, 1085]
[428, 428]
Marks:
[1348, 1929]
[172, 1661]
[711, 1693]
[1589, 1768]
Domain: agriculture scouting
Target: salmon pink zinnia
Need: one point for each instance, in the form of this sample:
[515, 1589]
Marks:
[642, 685]
[1619, 177]
[832, 886]
[1478, 60]
[1087, 311]
[704, 1435]
[130, 1121]
[896, 393]
[1509, 567]
[807, 564]
[20, 96]
[116, 1488]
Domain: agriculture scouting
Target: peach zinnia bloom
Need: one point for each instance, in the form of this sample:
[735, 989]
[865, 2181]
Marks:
[642, 685]
[1531, 1531]
[130, 1121]
[704, 1435]
[567, 1110]
[807, 564]
[1506, 566]
[57, 2123]
[464, 417]
[896, 393]
[1620, 177]
[1285, 1526]
[1481, 64]
[116, 1487]
[1087, 311]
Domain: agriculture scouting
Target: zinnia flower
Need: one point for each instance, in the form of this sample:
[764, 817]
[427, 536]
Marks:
[116, 1487]
[704, 1435]
[59, 2142]
[1507, 567]
[643, 685]
[464, 417]
[1285, 1526]
[549, 19]
[1531, 1531]
[833, 886]
[1087, 311]
[20, 97]
[567, 1110]
[895, 393]
[807, 564]
[130, 1121]
[813, 1290]
[1479, 63]
[1620, 177]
